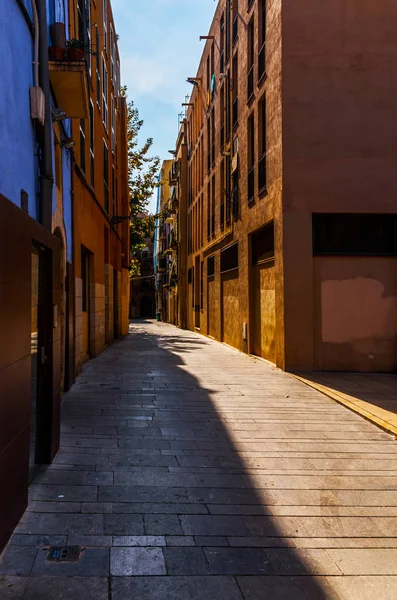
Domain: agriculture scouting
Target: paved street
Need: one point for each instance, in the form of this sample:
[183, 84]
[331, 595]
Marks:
[188, 470]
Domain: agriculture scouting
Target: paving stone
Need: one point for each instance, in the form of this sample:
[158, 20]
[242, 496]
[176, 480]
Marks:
[139, 540]
[60, 524]
[12, 588]
[175, 588]
[289, 588]
[154, 508]
[125, 493]
[94, 562]
[18, 539]
[157, 479]
[162, 524]
[376, 561]
[17, 560]
[363, 588]
[213, 525]
[63, 493]
[238, 561]
[136, 561]
[90, 540]
[290, 561]
[180, 540]
[123, 525]
[55, 507]
[208, 540]
[186, 561]
[97, 507]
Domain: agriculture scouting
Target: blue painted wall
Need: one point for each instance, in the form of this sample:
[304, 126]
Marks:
[18, 168]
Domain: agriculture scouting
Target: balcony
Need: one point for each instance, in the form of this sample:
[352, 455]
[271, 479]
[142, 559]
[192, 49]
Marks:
[161, 265]
[69, 82]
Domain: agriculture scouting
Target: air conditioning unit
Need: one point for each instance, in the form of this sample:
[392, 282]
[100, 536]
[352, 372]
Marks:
[37, 104]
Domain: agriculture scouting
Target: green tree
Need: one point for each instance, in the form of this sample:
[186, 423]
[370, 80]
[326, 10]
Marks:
[143, 172]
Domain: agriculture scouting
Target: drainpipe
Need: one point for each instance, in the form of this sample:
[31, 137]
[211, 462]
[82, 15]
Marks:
[36, 44]
[46, 173]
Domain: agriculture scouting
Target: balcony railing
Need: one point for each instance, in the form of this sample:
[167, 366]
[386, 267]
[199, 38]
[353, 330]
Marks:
[262, 62]
[262, 173]
[250, 82]
[251, 184]
[222, 64]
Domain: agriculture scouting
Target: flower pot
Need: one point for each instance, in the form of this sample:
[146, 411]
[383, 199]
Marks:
[56, 53]
[75, 54]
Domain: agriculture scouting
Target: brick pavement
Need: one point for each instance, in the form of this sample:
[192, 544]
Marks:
[189, 470]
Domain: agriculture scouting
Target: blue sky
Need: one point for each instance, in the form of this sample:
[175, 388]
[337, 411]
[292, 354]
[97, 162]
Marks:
[159, 48]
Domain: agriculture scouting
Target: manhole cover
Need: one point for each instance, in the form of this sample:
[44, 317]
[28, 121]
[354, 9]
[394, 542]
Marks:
[63, 554]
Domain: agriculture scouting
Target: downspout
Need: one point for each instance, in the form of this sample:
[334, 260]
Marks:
[46, 172]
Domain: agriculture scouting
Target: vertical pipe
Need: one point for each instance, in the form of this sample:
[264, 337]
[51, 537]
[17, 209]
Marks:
[46, 172]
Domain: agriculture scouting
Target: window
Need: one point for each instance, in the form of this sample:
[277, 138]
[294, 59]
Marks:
[251, 158]
[227, 31]
[208, 74]
[235, 21]
[105, 177]
[82, 146]
[113, 124]
[114, 211]
[98, 68]
[213, 205]
[262, 244]
[212, 60]
[222, 195]
[209, 130]
[355, 234]
[92, 147]
[192, 277]
[209, 211]
[211, 266]
[202, 285]
[251, 59]
[227, 190]
[213, 135]
[229, 258]
[112, 53]
[105, 23]
[235, 90]
[262, 40]
[58, 163]
[104, 93]
[84, 278]
[228, 105]
[222, 43]
[222, 116]
[262, 170]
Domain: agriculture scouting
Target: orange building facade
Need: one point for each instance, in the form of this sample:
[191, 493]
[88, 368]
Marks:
[101, 205]
[291, 217]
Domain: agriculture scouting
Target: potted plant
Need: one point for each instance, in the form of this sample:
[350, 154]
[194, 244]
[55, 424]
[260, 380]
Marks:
[56, 53]
[75, 49]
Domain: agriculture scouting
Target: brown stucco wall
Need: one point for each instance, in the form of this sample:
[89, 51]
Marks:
[17, 233]
[355, 313]
[339, 94]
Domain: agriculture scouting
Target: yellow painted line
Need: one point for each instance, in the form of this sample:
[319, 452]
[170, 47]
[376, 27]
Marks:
[365, 409]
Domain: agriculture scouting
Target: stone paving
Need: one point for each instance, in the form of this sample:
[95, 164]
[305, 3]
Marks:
[188, 470]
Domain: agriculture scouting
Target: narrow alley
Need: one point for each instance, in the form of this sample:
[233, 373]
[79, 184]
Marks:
[188, 470]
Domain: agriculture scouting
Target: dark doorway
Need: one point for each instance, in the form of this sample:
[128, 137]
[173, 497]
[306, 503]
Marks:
[146, 307]
[41, 382]
[115, 304]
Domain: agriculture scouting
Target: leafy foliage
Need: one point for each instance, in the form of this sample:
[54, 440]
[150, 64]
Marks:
[142, 181]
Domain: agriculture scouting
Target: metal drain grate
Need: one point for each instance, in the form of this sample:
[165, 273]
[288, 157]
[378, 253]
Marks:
[64, 554]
